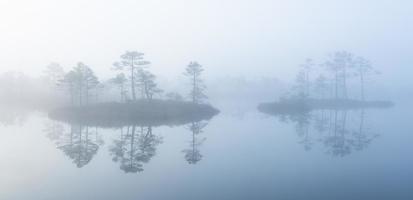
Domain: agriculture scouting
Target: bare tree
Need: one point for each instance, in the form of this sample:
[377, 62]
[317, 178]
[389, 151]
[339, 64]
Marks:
[131, 61]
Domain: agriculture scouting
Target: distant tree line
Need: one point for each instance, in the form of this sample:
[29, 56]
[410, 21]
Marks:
[332, 79]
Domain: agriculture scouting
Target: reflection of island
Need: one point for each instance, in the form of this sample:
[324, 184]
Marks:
[192, 153]
[135, 147]
[340, 131]
[80, 144]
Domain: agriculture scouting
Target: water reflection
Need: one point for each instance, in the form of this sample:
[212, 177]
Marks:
[192, 153]
[131, 148]
[341, 132]
[134, 148]
[81, 143]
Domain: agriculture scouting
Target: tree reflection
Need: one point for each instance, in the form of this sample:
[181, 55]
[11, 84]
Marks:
[341, 132]
[192, 153]
[134, 148]
[362, 136]
[338, 141]
[80, 144]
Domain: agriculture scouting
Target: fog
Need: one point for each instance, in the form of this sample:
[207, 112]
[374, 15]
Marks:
[234, 38]
[215, 99]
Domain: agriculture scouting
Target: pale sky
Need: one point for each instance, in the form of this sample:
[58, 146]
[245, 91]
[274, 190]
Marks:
[229, 37]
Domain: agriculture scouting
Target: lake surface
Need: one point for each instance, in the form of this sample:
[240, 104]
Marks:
[236, 155]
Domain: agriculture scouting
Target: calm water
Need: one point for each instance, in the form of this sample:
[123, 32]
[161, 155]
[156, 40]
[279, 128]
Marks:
[236, 155]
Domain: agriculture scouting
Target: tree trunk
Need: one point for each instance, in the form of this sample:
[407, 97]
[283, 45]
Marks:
[194, 89]
[80, 95]
[133, 80]
[146, 90]
[87, 93]
[121, 93]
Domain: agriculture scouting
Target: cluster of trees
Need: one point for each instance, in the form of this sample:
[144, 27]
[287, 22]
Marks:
[335, 74]
[134, 81]
[81, 82]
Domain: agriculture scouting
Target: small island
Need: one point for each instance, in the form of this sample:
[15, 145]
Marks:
[139, 113]
[329, 90]
[291, 106]
[139, 99]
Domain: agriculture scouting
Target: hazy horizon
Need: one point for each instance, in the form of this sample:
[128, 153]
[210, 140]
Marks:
[229, 38]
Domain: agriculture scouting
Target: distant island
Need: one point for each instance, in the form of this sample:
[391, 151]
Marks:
[329, 89]
[290, 106]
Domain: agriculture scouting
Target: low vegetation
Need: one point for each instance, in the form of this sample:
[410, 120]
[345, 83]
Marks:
[140, 112]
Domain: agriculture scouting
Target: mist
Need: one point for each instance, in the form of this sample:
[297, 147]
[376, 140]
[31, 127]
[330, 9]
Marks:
[266, 99]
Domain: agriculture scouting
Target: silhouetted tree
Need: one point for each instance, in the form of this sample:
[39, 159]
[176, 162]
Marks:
[193, 72]
[120, 82]
[69, 83]
[54, 73]
[80, 81]
[147, 85]
[363, 68]
[86, 81]
[338, 64]
[99, 89]
[131, 61]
